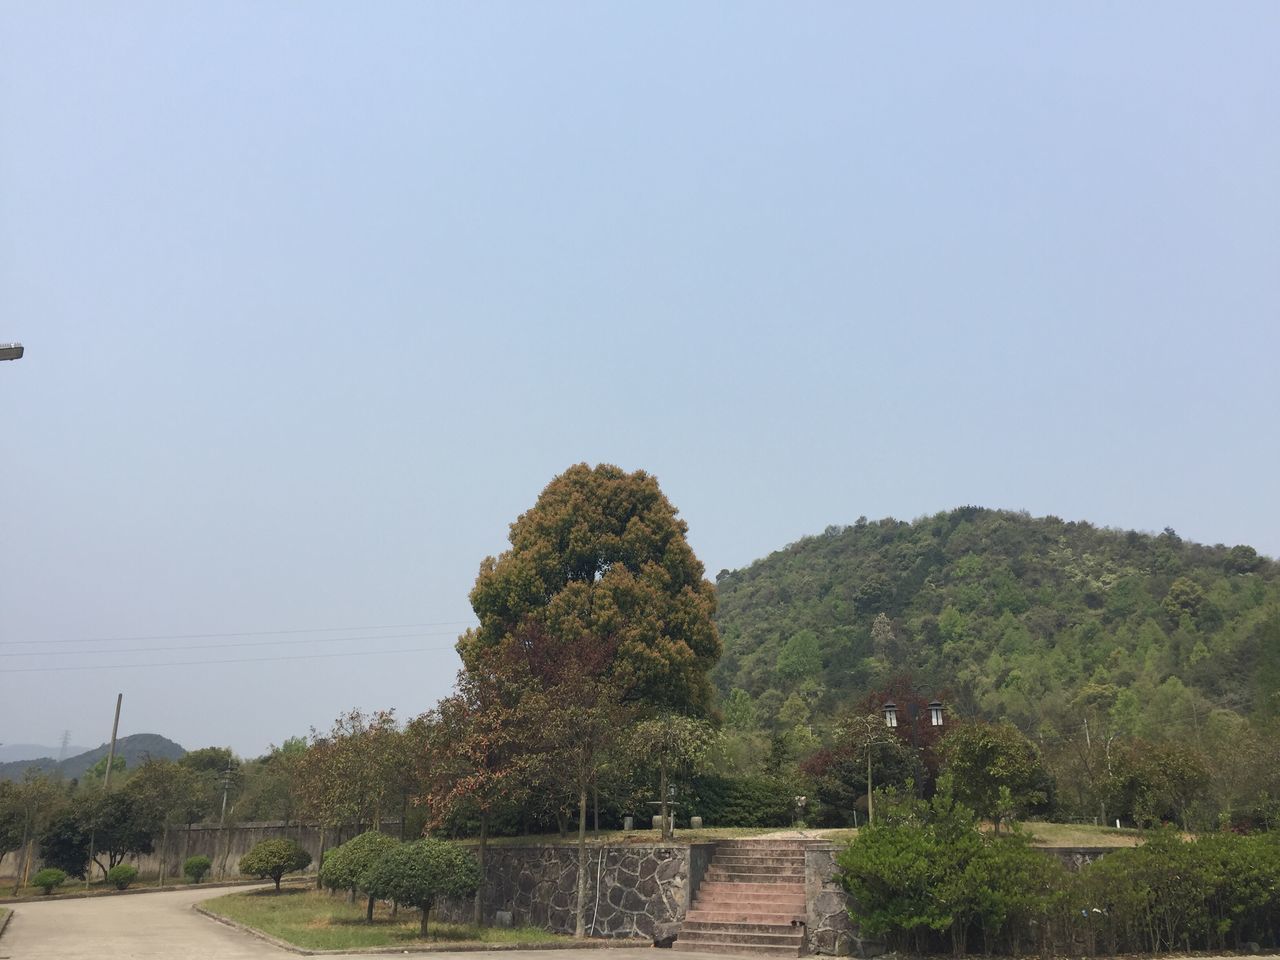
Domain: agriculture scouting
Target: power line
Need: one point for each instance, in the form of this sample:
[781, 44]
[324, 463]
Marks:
[217, 646]
[205, 663]
[247, 633]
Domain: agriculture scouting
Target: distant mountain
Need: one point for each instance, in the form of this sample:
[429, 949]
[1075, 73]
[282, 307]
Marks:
[134, 749]
[33, 751]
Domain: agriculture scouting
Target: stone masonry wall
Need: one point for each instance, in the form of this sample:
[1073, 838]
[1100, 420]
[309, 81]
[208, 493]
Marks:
[632, 891]
[830, 929]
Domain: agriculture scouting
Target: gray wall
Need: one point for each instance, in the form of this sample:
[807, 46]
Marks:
[640, 890]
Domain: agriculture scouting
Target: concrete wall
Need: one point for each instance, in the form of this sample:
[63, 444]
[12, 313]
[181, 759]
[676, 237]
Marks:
[640, 890]
[223, 847]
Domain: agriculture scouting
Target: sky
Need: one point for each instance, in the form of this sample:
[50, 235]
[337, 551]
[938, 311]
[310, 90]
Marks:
[316, 298]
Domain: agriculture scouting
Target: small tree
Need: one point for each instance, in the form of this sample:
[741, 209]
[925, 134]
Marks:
[347, 867]
[121, 875]
[196, 867]
[673, 745]
[275, 858]
[415, 874]
[996, 769]
[48, 878]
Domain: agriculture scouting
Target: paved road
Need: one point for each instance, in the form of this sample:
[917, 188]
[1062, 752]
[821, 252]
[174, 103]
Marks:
[162, 926]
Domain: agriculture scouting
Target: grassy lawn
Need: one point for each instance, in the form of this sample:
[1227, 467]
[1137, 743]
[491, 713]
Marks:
[317, 921]
[1080, 835]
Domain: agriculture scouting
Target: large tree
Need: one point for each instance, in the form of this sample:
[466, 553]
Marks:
[602, 558]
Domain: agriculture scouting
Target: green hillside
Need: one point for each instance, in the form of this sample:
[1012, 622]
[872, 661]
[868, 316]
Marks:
[1040, 621]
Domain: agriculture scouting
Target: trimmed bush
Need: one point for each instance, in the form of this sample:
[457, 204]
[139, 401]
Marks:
[415, 874]
[196, 867]
[275, 858]
[48, 878]
[121, 875]
[346, 867]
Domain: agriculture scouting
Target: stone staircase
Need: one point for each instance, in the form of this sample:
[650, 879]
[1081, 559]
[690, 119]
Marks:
[751, 900]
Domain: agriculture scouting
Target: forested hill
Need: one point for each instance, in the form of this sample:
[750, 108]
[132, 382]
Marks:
[133, 750]
[1034, 619]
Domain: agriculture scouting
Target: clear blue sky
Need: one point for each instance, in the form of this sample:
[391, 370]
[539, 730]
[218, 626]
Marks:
[317, 297]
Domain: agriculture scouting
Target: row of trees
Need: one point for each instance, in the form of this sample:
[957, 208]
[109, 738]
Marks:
[76, 823]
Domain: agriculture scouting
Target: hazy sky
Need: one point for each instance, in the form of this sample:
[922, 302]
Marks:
[317, 298]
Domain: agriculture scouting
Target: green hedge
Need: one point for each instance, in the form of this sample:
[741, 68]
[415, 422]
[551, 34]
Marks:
[741, 801]
[929, 882]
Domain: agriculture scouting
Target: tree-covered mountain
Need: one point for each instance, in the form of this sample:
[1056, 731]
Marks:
[1048, 623]
[134, 750]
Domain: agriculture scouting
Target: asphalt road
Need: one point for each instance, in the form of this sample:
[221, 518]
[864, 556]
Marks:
[162, 926]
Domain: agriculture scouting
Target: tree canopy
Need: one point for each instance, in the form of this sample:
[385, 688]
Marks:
[602, 557]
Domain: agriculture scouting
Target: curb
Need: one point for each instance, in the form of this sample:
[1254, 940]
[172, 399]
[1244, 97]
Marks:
[168, 888]
[4, 922]
[416, 948]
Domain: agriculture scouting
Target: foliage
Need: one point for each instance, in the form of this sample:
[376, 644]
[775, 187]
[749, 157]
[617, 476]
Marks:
[602, 557]
[995, 769]
[347, 867]
[48, 878]
[674, 747]
[120, 825]
[1075, 634]
[121, 875]
[357, 772]
[196, 867]
[274, 858]
[415, 874]
[741, 801]
[927, 880]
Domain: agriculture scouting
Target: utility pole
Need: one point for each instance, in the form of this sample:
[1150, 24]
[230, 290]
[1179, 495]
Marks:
[106, 785]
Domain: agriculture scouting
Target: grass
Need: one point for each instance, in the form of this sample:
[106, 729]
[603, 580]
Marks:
[318, 921]
[1080, 835]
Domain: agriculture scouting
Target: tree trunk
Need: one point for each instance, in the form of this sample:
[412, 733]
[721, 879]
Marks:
[368, 913]
[320, 859]
[276, 878]
[164, 852]
[595, 795]
[662, 796]
[426, 912]
[580, 923]
[26, 850]
[477, 914]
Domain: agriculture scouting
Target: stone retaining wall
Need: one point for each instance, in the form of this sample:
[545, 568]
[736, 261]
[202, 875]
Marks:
[640, 890]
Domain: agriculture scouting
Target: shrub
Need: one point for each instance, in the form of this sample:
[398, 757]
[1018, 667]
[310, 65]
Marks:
[415, 874]
[275, 858]
[196, 867]
[121, 875]
[48, 878]
[743, 801]
[346, 867]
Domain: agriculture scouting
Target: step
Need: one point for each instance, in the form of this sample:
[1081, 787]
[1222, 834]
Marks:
[761, 859]
[770, 844]
[721, 876]
[755, 866]
[712, 926]
[730, 915]
[743, 937]
[730, 889]
[795, 900]
[704, 946]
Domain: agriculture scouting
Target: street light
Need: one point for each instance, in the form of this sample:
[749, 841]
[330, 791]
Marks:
[10, 351]
[890, 714]
[935, 713]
